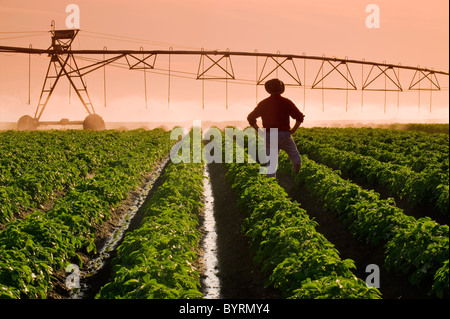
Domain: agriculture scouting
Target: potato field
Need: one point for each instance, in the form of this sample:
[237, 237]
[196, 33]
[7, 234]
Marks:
[366, 217]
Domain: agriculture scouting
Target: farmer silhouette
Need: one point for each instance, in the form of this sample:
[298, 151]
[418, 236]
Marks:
[275, 112]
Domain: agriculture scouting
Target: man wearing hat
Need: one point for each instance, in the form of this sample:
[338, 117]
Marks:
[275, 112]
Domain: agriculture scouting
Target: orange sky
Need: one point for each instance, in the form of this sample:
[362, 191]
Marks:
[412, 32]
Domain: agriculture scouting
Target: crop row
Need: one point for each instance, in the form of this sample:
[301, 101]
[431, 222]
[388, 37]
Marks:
[416, 150]
[32, 172]
[34, 248]
[39, 166]
[418, 248]
[429, 186]
[156, 260]
[300, 260]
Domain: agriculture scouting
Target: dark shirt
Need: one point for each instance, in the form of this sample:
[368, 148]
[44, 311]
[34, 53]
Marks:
[275, 112]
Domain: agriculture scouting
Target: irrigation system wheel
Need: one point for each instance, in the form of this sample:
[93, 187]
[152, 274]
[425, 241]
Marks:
[26, 123]
[94, 122]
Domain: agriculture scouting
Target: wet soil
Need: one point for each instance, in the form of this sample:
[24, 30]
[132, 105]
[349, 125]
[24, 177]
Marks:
[240, 277]
[392, 286]
[103, 233]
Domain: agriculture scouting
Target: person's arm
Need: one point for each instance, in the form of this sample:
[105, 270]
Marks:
[298, 116]
[251, 118]
[296, 126]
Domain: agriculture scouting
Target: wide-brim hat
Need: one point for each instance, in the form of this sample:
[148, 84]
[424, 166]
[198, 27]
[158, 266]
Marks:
[274, 86]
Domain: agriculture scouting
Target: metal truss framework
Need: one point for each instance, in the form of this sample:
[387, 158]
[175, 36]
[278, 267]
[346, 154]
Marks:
[217, 65]
[383, 70]
[335, 68]
[63, 63]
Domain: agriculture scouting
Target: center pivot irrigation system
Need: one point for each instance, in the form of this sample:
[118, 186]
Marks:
[63, 64]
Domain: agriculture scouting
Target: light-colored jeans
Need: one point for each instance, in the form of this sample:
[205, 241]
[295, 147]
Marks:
[287, 144]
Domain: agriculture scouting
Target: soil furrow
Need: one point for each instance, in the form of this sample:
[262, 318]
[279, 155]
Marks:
[240, 277]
